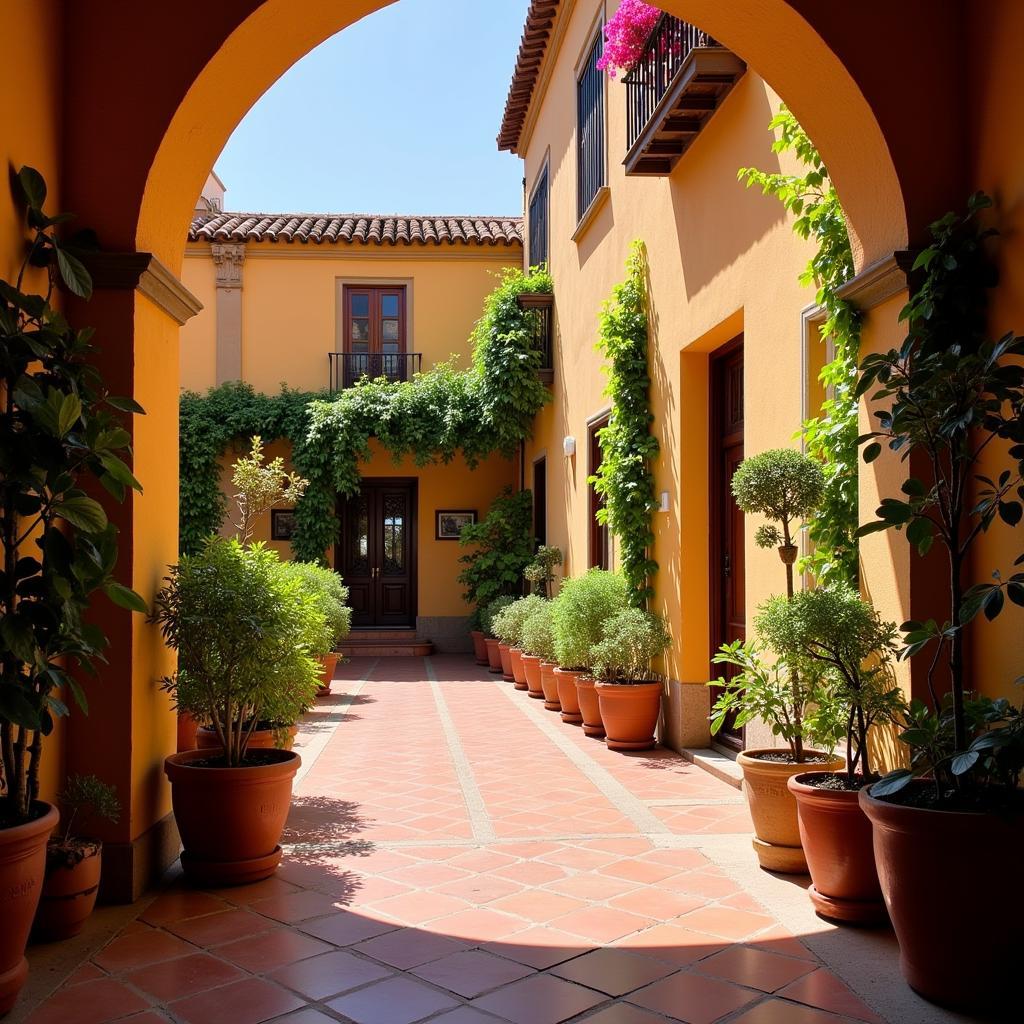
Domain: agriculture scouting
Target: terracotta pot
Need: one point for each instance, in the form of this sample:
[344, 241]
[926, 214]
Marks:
[958, 945]
[328, 663]
[773, 806]
[549, 686]
[261, 739]
[187, 727]
[69, 893]
[531, 666]
[630, 713]
[493, 654]
[505, 656]
[230, 819]
[22, 869]
[590, 706]
[518, 672]
[479, 647]
[566, 680]
[836, 837]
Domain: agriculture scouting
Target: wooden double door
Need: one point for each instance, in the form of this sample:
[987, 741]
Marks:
[376, 554]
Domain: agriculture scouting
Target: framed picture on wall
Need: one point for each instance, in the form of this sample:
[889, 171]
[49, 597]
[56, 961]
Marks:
[282, 523]
[450, 522]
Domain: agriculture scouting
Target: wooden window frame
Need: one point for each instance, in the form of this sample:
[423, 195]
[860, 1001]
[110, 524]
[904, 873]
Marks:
[588, 191]
[543, 178]
[599, 554]
[349, 289]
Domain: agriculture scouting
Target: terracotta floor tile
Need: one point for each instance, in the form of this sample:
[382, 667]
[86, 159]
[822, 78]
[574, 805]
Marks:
[541, 999]
[643, 871]
[623, 1013]
[347, 928]
[691, 998]
[477, 926]
[328, 974]
[480, 889]
[613, 971]
[396, 1001]
[779, 1011]
[179, 904]
[214, 929]
[591, 886]
[92, 1002]
[307, 1015]
[240, 895]
[417, 907]
[539, 947]
[674, 944]
[463, 1015]
[263, 952]
[472, 972]
[530, 872]
[171, 979]
[602, 924]
[87, 972]
[295, 906]
[825, 991]
[538, 906]
[754, 968]
[719, 920]
[140, 949]
[251, 1001]
[657, 904]
[410, 947]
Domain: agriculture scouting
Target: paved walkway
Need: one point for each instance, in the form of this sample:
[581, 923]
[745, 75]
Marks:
[457, 854]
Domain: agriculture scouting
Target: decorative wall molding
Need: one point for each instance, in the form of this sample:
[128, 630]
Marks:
[228, 258]
[143, 272]
[878, 281]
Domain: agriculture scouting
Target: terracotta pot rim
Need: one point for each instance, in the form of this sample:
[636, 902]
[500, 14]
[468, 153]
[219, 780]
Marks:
[178, 768]
[748, 756]
[887, 812]
[603, 684]
[28, 830]
[585, 680]
[804, 791]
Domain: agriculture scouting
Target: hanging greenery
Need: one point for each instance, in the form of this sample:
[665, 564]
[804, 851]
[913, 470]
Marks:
[831, 436]
[438, 414]
[624, 478]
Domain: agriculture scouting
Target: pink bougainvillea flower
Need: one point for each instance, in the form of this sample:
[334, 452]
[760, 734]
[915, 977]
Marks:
[625, 35]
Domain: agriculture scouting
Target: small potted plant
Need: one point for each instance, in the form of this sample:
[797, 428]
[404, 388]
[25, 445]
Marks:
[74, 859]
[833, 626]
[477, 636]
[493, 644]
[244, 631]
[580, 611]
[539, 655]
[508, 624]
[326, 588]
[792, 696]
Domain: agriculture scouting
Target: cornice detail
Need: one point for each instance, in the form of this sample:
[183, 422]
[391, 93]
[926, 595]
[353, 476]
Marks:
[145, 273]
[878, 281]
[228, 258]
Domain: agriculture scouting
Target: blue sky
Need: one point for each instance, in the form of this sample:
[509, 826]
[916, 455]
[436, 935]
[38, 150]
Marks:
[396, 114]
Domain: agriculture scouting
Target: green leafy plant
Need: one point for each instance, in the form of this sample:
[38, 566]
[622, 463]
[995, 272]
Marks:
[624, 479]
[833, 626]
[61, 434]
[261, 487]
[538, 638]
[330, 595]
[244, 630]
[630, 640]
[952, 401]
[490, 611]
[540, 573]
[508, 623]
[831, 435]
[501, 545]
[85, 800]
[580, 611]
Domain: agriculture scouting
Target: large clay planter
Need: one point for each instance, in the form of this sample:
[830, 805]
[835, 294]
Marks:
[22, 869]
[836, 838]
[959, 943]
[773, 807]
[570, 705]
[187, 727]
[505, 656]
[328, 663]
[230, 819]
[69, 893]
[479, 647]
[261, 739]
[518, 672]
[590, 706]
[549, 686]
[493, 654]
[630, 714]
[531, 666]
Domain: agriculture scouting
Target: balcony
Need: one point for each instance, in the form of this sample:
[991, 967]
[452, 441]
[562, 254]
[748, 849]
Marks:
[541, 305]
[348, 368]
[672, 92]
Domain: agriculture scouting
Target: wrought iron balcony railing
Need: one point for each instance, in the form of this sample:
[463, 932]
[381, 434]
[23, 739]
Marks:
[348, 368]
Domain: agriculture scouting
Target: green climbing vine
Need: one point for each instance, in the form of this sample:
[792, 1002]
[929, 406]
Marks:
[488, 408]
[831, 435]
[624, 478]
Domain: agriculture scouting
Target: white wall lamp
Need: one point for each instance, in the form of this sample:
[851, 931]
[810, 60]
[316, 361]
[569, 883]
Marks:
[663, 505]
[569, 446]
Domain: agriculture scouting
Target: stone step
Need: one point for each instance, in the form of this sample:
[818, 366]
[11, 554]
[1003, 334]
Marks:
[367, 644]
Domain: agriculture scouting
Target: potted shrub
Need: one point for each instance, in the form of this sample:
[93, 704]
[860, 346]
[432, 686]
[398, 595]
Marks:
[539, 654]
[508, 624]
[493, 644]
[74, 859]
[477, 636]
[540, 573]
[951, 827]
[580, 611]
[60, 431]
[244, 630]
[792, 696]
[326, 589]
[833, 626]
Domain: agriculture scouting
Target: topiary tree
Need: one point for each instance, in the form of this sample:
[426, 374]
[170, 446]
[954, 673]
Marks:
[508, 623]
[326, 589]
[630, 640]
[580, 611]
[538, 633]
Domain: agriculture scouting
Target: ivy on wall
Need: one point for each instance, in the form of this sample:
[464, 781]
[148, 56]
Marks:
[831, 436]
[486, 409]
[624, 479]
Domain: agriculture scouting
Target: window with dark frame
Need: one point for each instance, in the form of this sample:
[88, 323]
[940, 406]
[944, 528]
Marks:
[600, 536]
[374, 332]
[538, 252]
[540, 501]
[590, 158]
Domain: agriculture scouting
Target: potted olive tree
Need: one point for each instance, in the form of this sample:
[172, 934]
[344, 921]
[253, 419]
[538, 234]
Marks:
[832, 626]
[628, 690]
[61, 436]
[508, 624]
[950, 402]
[539, 655]
[791, 696]
[580, 611]
[245, 631]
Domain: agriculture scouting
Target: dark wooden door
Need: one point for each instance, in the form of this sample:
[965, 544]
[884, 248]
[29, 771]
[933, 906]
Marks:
[377, 554]
[728, 606]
